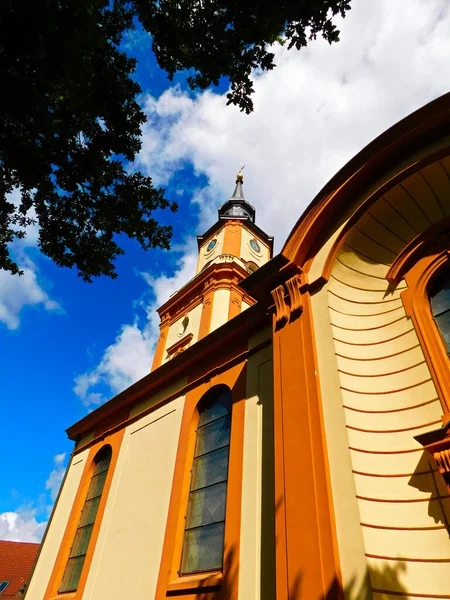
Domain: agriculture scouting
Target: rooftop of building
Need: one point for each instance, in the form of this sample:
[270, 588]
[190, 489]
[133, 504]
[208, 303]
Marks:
[16, 563]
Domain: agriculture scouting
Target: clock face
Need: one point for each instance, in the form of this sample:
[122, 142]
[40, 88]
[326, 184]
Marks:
[255, 246]
[211, 245]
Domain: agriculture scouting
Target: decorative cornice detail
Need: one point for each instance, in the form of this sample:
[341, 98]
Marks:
[442, 459]
[430, 241]
[288, 306]
[281, 309]
[179, 345]
[293, 288]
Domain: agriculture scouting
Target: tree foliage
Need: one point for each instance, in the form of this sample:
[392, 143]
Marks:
[71, 121]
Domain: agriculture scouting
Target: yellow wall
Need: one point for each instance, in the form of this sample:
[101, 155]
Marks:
[247, 253]
[128, 551]
[56, 528]
[244, 306]
[256, 548]
[349, 535]
[387, 393]
[175, 329]
[221, 306]
[204, 256]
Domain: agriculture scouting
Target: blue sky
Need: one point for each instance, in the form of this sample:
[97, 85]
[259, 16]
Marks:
[67, 346]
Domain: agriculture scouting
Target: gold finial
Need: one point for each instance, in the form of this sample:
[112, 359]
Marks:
[240, 175]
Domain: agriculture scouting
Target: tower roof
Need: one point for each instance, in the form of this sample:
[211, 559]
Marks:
[237, 206]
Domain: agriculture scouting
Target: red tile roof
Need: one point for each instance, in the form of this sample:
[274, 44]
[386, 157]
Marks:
[16, 562]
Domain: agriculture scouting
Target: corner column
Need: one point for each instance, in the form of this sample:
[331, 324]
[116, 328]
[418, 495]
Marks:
[307, 563]
[161, 343]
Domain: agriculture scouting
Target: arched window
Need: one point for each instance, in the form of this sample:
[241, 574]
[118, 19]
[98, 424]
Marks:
[83, 534]
[440, 306]
[205, 517]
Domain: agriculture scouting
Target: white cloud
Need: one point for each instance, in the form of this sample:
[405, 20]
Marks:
[130, 357]
[16, 292]
[22, 525]
[55, 478]
[315, 111]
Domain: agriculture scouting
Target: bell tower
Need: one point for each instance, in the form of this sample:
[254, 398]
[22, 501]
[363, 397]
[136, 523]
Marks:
[230, 250]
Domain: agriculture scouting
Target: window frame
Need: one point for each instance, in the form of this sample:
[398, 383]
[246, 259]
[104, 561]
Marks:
[420, 278]
[169, 579]
[208, 400]
[114, 440]
[106, 448]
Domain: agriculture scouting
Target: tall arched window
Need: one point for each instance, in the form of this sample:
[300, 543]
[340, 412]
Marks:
[440, 306]
[78, 551]
[205, 517]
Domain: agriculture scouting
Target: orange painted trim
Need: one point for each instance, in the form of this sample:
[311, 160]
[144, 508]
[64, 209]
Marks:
[385, 187]
[224, 584]
[232, 238]
[235, 308]
[417, 305]
[160, 345]
[179, 345]
[188, 296]
[304, 504]
[115, 441]
[438, 234]
[205, 319]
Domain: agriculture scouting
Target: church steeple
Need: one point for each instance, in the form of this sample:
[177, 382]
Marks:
[231, 249]
[237, 206]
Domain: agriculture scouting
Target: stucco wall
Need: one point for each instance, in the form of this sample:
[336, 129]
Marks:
[127, 555]
[220, 308]
[176, 330]
[348, 531]
[257, 524]
[205, 256]
[247, 253]
[388, 395]
[56, 529]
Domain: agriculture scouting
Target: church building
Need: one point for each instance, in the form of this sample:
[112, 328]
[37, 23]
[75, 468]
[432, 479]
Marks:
[292, 438]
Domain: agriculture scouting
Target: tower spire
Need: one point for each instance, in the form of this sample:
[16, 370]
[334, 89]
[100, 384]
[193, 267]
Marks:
[237, 206]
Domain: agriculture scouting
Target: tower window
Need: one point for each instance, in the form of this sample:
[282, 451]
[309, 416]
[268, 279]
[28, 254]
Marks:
[3, 585]
[83, 534]
[205, 517]
[440, 306]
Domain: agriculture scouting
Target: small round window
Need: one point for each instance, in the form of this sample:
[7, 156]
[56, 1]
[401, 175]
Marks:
[211, 245]
[255, 246]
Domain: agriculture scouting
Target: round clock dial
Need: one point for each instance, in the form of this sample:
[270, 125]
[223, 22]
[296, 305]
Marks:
[211, 245]
[255, 246]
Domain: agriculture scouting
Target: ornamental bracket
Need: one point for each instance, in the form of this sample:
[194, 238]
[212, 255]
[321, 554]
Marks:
[285, 312]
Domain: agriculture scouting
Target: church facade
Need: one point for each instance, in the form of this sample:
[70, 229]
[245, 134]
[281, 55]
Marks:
[292, 440]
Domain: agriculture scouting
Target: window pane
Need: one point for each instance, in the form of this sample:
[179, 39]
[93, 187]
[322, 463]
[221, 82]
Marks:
[90, 511]
[72, 574]
[440, 297]
[213, 436]
[203, 549]
[81, 541]
[103, 459]
[210, 469]
[207, 506]
[443, 322]
[97, 485]
[220, 408]
[83, 534]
